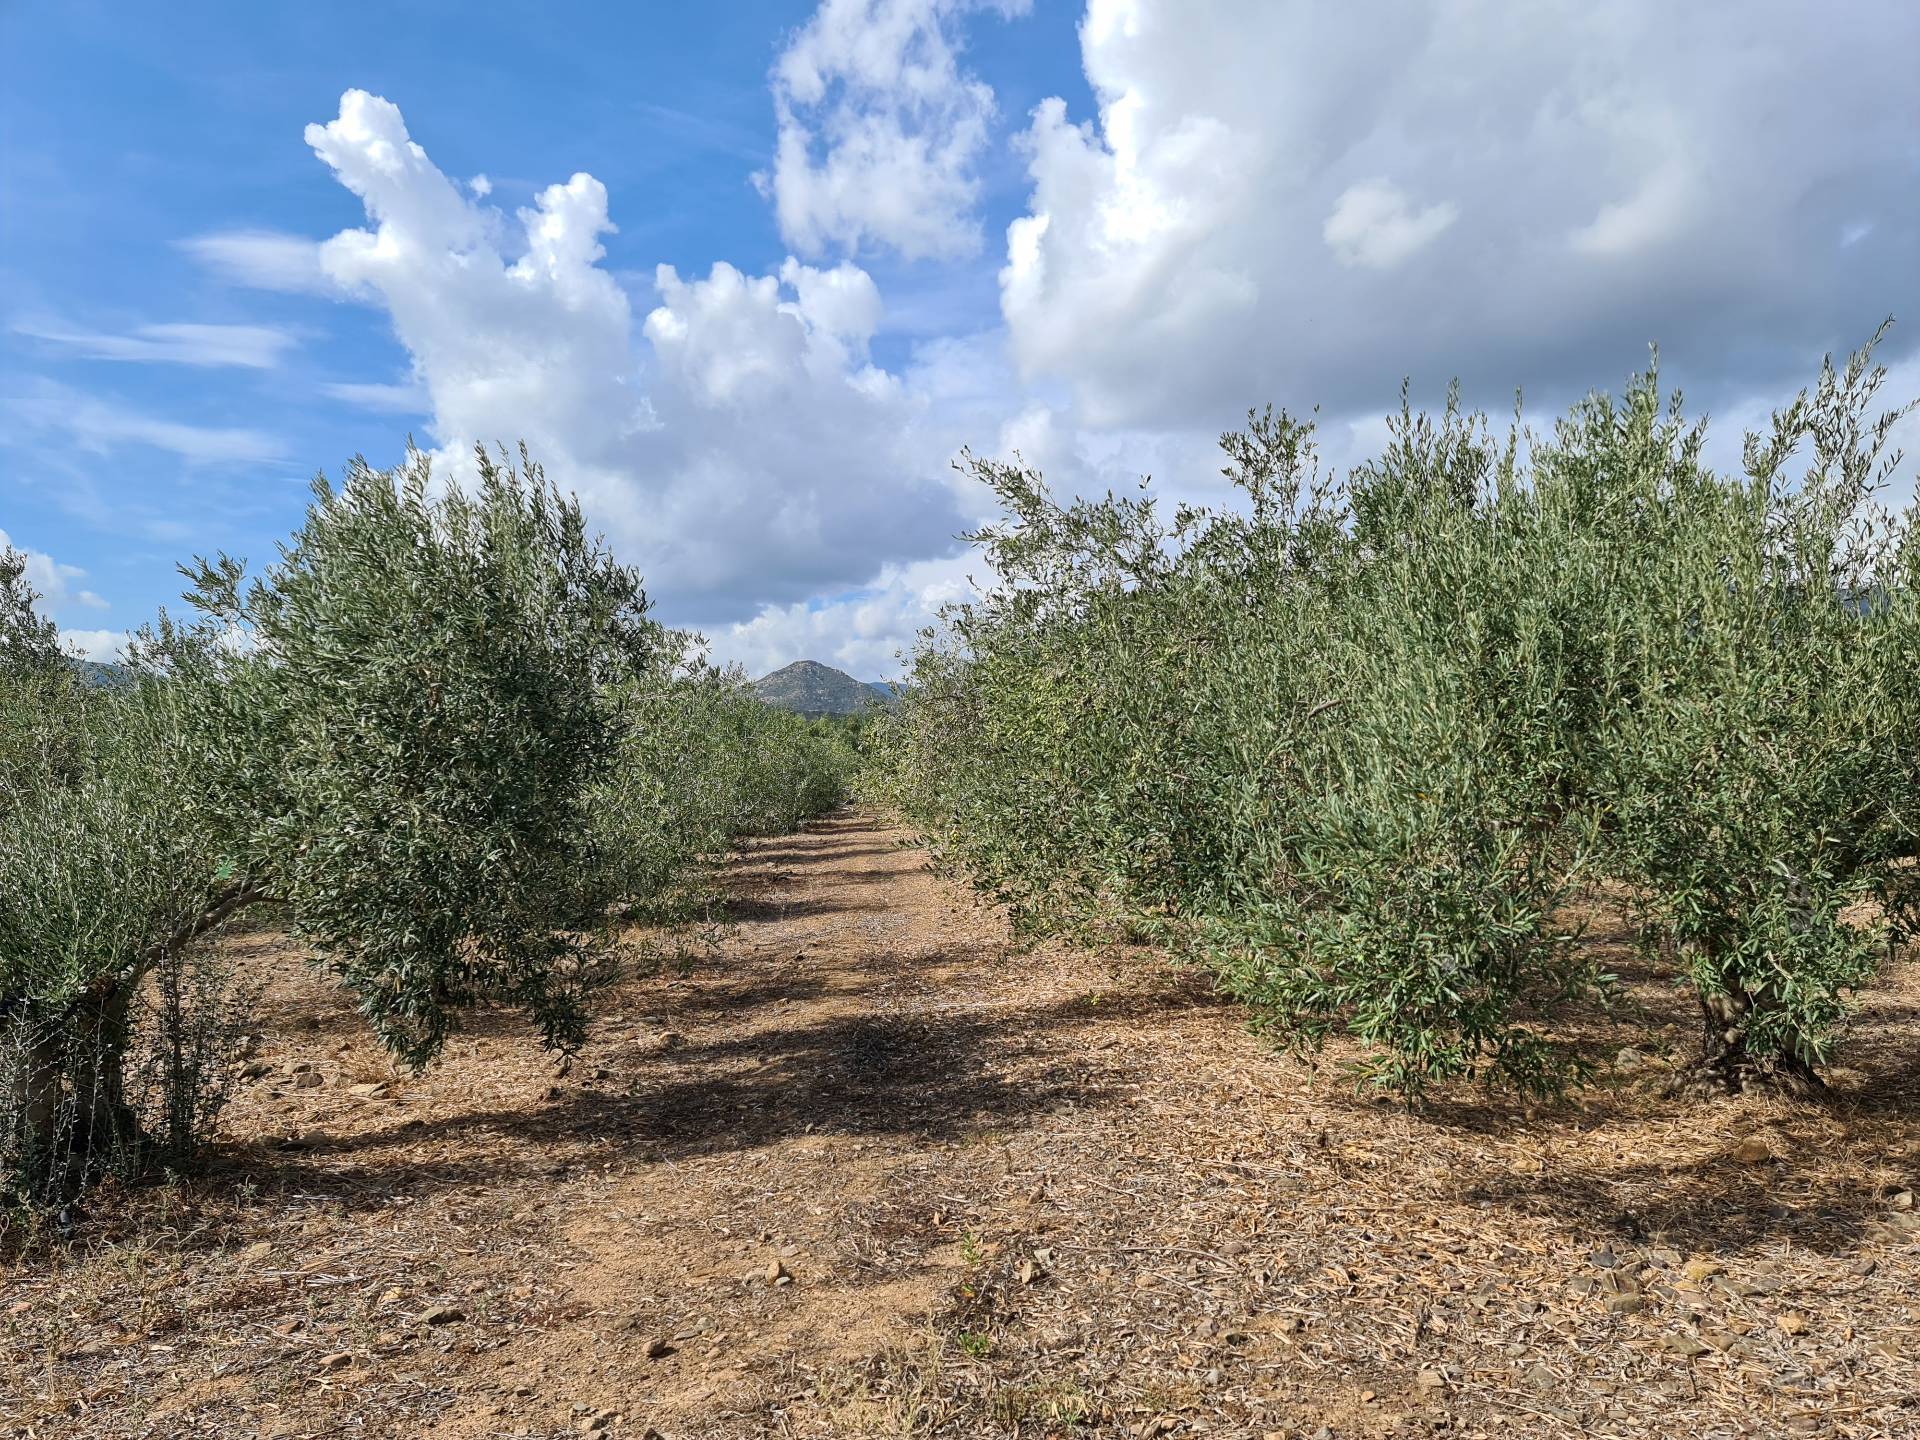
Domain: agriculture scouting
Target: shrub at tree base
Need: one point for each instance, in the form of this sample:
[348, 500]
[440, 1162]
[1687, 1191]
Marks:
[423, 733]
[1359, 745]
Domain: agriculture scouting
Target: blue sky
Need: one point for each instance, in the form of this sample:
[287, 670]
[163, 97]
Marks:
[1093, 234]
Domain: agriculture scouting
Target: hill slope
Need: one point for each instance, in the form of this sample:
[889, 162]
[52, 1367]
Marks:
[815, 689]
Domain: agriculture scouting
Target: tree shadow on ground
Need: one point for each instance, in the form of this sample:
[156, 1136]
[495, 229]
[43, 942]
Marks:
[1715, 1206]
[905, 1065]
[876, 876]
[874, 1074]
[1675, 1179]
[773, 908]
[785, 855]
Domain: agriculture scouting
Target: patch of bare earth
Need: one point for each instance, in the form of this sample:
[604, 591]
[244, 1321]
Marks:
[871, 1169]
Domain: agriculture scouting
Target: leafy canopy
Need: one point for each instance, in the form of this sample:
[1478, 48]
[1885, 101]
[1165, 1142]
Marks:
[400, 724]
[1360, 744]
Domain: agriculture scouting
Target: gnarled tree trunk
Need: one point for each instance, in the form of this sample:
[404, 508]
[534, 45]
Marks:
[63, 1095]
[1728, 1067]
[64, 1116]
[104, 1124]
[32, 1094]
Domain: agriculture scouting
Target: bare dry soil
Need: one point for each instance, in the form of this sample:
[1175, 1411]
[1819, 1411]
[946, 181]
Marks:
[872, 1169]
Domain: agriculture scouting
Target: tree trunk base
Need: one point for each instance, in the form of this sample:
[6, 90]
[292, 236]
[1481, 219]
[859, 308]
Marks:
[1738, 1073]
[1727, 1067]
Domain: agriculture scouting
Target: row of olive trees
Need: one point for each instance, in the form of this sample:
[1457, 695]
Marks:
[440, 733]
[1361, 744]
[705, 762]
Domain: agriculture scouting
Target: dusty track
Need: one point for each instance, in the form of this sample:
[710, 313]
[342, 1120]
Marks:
[869, 1169]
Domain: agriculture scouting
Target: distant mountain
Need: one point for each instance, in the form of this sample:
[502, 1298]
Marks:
[811, 688]
[101, 674]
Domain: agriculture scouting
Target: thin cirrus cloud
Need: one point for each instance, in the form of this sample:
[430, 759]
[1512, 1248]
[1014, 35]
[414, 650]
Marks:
[101, 427]
[263, 259]
[252, 347]
[402, 398]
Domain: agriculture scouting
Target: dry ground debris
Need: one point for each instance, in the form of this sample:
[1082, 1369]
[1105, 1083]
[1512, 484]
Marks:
[872, 1169]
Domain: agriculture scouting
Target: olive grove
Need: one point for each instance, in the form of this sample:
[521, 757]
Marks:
[1368, 747]
[437, 736]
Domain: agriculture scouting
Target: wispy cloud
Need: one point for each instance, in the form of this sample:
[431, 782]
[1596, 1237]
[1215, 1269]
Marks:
[263, 259]
[252, 347]
[704, 131]
[103, 426]
[406, 398]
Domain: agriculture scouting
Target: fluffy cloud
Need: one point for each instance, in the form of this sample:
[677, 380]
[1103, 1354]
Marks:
[1280, 201]
[864, 632]
[56, 584]
[741, 448]
[254, 347]
[58, 588]
[880, 130]
[105, 646]
[1565, 185]
[791, 465]
[1373, 224]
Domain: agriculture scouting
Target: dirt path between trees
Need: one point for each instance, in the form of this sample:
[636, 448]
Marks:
[872, 1169]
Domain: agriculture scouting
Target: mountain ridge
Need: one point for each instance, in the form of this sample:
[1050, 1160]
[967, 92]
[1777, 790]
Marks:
[811, 688]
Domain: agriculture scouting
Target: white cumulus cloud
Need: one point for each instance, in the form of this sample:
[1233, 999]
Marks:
[1282, 201]
[105, 646]
[881, 130]
[1567, 184]
[57, 584]
[738, 444]
[865, 632]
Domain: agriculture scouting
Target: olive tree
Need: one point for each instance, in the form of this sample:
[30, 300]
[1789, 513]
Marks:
[703, 761]
[1361, 745]
[28, 641]
[394, 732]
[1758, 782]
[95, 878]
